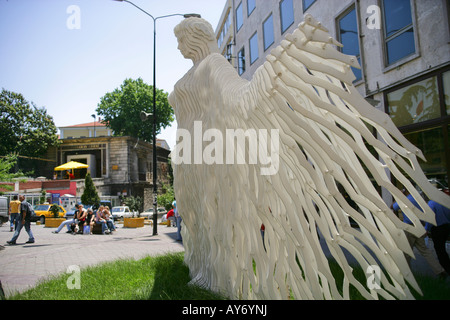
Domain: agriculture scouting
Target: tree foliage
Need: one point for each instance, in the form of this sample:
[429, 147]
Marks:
[90, 194]
[25, 129]
[6, 164]
[134, 203]
[54, 209]
[121, 109]
[166, 198]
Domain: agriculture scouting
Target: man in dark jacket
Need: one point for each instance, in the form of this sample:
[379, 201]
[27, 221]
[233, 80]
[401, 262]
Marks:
[25, 220]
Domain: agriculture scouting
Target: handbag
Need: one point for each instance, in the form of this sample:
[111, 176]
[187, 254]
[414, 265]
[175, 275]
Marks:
[86, 230]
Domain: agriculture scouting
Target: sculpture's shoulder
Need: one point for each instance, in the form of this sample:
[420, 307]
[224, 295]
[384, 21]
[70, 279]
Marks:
[212, 67]
[217, 57]
[221, 72]
[213, 74]
[215, 62]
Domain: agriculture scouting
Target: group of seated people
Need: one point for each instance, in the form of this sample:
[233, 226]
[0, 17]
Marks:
[84, 221]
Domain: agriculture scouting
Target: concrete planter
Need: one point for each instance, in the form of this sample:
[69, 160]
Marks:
[53, 222]
[133, 222]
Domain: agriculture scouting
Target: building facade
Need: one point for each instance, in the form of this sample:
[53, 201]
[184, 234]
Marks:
[86, 130]
[119, 166]
[403, 47]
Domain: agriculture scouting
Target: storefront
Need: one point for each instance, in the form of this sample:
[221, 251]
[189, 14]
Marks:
[421, 110]
[92, 154]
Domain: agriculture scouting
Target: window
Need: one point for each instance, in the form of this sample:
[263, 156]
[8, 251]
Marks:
[446, 85]
[433, 144]
[398, 30]
[307, 4]
[251, 5]
[241, 61]
[239, 17]
[286, 14]
[349, 37]
[229, 51]
[223, 32]
[254, 52]
[268, 32]
[420, 109]
[415, 103]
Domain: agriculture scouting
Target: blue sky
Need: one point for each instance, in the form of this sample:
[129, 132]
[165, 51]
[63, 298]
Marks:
[67, 70]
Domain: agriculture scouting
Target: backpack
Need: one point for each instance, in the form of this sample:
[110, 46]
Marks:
[30, 211]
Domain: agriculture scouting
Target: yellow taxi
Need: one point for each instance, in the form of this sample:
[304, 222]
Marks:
[43, 211]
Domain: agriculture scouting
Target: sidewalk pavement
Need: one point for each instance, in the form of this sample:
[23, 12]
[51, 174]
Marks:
[23, 265]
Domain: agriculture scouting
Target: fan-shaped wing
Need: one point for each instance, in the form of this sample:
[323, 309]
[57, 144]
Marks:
[335, 152]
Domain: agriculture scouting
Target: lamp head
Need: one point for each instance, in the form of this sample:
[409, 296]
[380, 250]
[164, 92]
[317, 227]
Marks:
[188, 15]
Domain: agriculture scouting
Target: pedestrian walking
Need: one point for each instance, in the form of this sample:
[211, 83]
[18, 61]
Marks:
[25, 221]
[419, 242]
[440, 233]
[178, 220]
[14, 213]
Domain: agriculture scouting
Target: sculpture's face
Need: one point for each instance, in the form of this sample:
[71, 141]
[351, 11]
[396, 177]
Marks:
[196, 39]
[184, 48]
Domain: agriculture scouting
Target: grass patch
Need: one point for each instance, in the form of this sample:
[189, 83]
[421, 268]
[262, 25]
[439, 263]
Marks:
[167, 278]
[152, 278]
[432, 288]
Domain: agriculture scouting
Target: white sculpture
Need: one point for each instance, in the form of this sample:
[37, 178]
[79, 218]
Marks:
[302, 109]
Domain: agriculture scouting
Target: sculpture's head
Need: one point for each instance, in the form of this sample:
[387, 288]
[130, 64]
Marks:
[196, 38]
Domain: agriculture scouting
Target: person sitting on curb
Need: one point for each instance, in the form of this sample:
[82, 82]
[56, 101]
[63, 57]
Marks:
[79, 217]
[68, 222]
[90, 220]
[169, 216]
[100, 220]
[109, 221]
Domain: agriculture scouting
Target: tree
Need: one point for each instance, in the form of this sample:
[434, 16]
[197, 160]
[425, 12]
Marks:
[166, 198]
[55, 210]
[135, 204]
[25, 129]
[6, 164]
[90, 195]
[121, 109]
[43, 196]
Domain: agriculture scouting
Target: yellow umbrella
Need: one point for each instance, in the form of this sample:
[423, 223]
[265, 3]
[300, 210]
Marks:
[71, 165]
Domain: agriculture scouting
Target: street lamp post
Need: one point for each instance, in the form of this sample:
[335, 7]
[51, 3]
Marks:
[145, 116]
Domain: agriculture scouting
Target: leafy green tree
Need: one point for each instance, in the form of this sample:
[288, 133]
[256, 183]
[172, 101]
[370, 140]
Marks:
[135, 204]
[121, 109]
[6, 164]
[90, 194]
[55, 210]
[166, 198]
[43, 196]
[25, 129]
